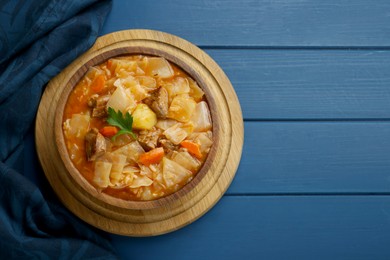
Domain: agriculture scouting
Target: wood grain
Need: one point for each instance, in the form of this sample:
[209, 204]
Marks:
[277, 227]
[260, 23]
[314, 158]
[122, 217]
[309, 84]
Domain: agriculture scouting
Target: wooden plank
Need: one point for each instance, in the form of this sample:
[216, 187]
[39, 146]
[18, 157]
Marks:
[259, 23]
[314, 157]
[294, 158]
[276, 228]
[309, 84]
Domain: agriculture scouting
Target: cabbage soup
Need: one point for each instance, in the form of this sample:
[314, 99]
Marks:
[137, 127]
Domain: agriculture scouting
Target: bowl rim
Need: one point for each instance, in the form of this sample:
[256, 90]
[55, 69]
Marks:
[79, 180]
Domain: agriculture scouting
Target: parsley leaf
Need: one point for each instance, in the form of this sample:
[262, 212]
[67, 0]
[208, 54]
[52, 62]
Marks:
[123, 122]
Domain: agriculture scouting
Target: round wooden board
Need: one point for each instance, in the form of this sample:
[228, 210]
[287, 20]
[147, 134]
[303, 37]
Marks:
[178, 213]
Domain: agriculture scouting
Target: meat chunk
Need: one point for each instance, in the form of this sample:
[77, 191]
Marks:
[98, 105]
[148, 138]
[99, 112]
[92, 100]
[167, 145]
[158, 102]
[95, 144]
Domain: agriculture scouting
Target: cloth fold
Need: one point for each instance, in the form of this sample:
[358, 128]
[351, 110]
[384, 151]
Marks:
[37, 40]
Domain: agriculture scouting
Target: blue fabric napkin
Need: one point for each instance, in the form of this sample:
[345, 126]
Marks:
[37, 40]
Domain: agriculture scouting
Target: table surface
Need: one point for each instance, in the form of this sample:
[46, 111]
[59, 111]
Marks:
[313, 80]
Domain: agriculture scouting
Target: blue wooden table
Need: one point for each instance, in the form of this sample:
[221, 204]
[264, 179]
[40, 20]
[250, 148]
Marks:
[313, 80]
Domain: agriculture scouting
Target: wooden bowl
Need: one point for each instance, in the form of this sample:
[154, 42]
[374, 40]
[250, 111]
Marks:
[77, 176]
[142, 218]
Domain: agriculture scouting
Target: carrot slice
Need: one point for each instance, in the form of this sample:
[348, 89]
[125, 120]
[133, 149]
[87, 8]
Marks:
[109, 131]
[110, 67]
[193, 148]
[153, 156]
[98, 84]
[109, 64]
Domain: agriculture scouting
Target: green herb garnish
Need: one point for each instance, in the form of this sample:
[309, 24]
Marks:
[123, 122]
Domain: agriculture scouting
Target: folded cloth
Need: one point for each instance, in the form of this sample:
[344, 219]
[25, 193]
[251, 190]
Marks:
[37, 40]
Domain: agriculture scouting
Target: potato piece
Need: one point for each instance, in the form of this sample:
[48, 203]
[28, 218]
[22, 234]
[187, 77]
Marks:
[143, 117]
[181, 108]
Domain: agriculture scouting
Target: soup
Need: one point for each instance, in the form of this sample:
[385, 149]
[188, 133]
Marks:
[137, 127]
